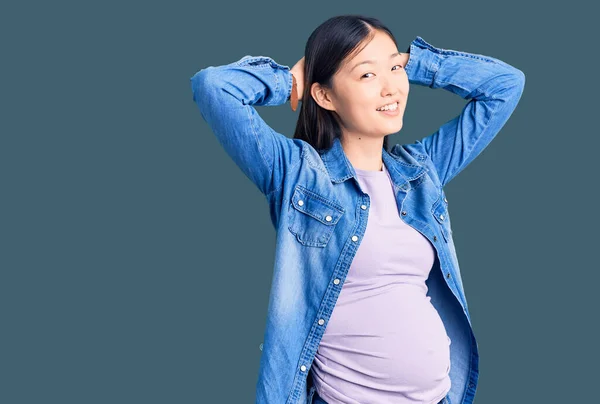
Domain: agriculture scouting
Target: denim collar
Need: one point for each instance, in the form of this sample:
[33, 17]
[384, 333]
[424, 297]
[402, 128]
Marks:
[340, 169]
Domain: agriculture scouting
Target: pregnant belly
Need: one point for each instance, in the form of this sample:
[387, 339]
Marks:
[395, 336]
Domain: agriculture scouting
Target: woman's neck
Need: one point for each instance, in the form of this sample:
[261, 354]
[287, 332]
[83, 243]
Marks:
[363, 152]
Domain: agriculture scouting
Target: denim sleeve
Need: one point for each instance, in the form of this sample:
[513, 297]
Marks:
[492, 87]
[226, 96]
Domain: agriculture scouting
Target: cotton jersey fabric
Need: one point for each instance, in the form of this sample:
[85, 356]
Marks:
[385, 342]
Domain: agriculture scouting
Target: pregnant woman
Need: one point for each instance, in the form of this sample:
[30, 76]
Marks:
[367, 304]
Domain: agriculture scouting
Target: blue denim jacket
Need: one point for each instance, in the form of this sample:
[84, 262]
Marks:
[320, 212]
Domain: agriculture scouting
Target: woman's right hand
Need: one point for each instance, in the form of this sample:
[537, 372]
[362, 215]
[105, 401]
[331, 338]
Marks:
[298, 71]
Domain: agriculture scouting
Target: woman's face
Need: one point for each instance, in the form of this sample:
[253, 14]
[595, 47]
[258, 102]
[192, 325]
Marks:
[360, 88]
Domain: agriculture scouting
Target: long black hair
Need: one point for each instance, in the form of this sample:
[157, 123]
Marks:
[326, 49]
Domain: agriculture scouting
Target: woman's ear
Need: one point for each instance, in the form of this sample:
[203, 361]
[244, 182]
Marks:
[322, 96]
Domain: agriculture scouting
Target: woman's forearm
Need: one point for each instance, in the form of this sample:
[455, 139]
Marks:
[493, 87]
[226, 96]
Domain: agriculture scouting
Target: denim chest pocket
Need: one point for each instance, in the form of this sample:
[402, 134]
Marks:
[312, 217]
[440, 214]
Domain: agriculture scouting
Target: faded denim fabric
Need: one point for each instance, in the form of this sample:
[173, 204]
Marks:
[316, 399]
[320, 212]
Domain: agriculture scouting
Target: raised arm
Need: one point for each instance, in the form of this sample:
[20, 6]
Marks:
[493, 87]
[226, 96]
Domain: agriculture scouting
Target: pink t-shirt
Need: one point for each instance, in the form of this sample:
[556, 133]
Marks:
[385, 342]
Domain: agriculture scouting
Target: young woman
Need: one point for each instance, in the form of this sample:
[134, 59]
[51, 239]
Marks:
[367, 303]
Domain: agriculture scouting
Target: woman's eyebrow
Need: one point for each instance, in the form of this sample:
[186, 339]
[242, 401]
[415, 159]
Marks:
[372, 61]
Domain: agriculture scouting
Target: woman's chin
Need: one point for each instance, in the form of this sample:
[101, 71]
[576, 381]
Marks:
[393, 127]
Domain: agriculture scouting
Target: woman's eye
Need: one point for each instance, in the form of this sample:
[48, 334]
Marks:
[372, 73]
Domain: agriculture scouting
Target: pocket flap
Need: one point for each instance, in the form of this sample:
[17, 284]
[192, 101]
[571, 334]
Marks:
[315, 205]
[440, 212]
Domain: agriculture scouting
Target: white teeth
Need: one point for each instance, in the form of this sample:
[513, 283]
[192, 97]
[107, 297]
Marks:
[388, 107]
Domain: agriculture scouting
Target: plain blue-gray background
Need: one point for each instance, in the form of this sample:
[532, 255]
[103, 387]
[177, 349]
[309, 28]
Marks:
[136, 258]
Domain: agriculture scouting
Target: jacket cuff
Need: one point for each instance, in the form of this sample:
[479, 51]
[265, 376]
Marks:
[423, 62]
[281, 88]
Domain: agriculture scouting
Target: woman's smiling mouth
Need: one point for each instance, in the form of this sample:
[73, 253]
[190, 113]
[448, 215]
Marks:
[390, 109]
